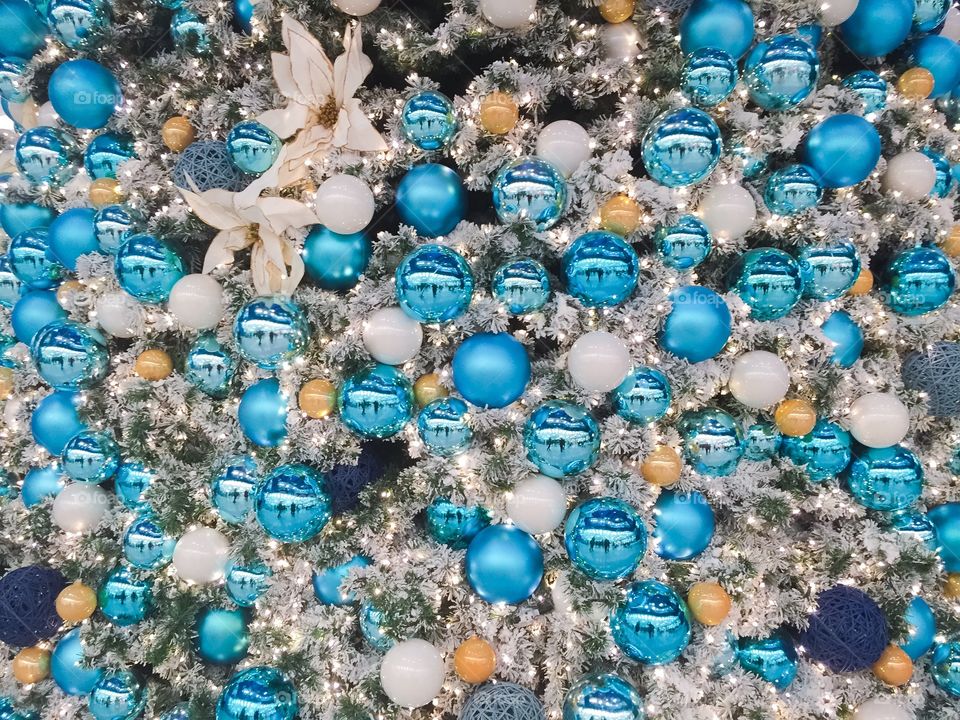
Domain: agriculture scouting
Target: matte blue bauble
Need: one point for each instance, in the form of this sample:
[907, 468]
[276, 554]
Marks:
[712, 441]
[47, 155]
[146, 545]
[915, 524]
[55, 420]
[10, 286]
[521, 285]
[222, 636]
[828, 271]
[600, 269]
[270, 330]
[91, 456]
[761, 441]
[845, 336]
[33, 261]
[209, 366]
[13, 86]
[232, 488]
[189, 31]
[773, 658]
[532, 189]
[651, 624]
[434, 284]
[877, 27]
[723, 24]
[72, 235]
[124, 598]
[769, 281]
[491, 369]
[431, 198]
[944, 182]
[946, 520]
[921, 629]
[605, 538]
[920, 280]
[428, 121]
[781, 72]
[334, 261]
[682, 147]
[253, 147]
[753, 161]
[117, 696]
[68, 666]
[292, 504]
[941, 56]
[76, 22]
[643, 396]
[709, 76]
[504, 564]
[245, 584]
[603, 696]
[70, 356]
[112, 225]
[86, 94]
[23, 29]
[823, 453]
[885, 478]
[131, 482]
[259, 692]
[328, 583]
[377, 401]
[262, 413]
[945, 667]
[792, 190]
[443, 427]
[929, 14]
[40, 483]
[683, 525]
[17, 217]
[870, 88]
[842, 149]
[455, 525]
[698, 325]
[147, 268]
[561, 438]
[243, 14]
[106, 153]
[685, 244]
[371, 627]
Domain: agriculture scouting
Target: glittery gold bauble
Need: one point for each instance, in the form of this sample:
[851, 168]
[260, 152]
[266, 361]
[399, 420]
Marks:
[916, 83]
[616, 11]
[951, 246]
[153, 365]
[317, 398]
[620, 214]
[474, 660]
[76, 602]
[31, 665]
[6, 382]
[427, 388]
[177, 133]
[894, 667]
[864, 282]
[662, 466]
[499, 113]
[951, 588]
[105, 191]
[709, 603]
[795, 418]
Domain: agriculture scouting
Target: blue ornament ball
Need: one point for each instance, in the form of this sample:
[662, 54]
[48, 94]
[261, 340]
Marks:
[177, 712]
[915, 524]
[76, 23]
[243, 14]
[829, 270]
[442, 426]
[69, 668]
[842, 149]
[33, 261]
[761, 441]
[946, 521]
[561, 438]
[712, 441]
[146, 545]
[328, 583]
[502, 701]
[371, 621]
[944, 181]
[877, 27]
[334, 261]
[723, 24]
[504, 564]
[292, 504]
[455, 525]
[769, 281]
[125, 598]
[848, 631]
[10, 286]
[651, 624]
[643, 397]
[47, 155]
[935, 371]
[685, 244]
[233, 486]
[270, 330]
[346, 481]
[23, 29]
[189, 31]
[376, 402]
[55, 420]
[823, 453]
[698, 324]
[921, 626]
[262, 413]
[117, 696]
[885, 478]
[929, 14]
[246, 583]
[845, 336]
[222, 636]
[945, 667]
[772, 658]
[521, 285]
[682, 147]
[131, 482]
[40, 483]
[112, 225]
[683, 525]
[709, 76]
[17, 217]
[106, 153]
[427, 120]
[91, 456]
[606, 696]
[13, 85]
[252, 147]
[84, 93]
[781, 72]
[792, 190]
[206, 165]
[431, 198]
[941, 56]
[870, 88]
[209, 366]
[147, 267]
[491, 369]
[434, 284]
[258, 692]
[70, 356]
[920, 280]
[530, 189]
[752, 161]
[605, 538]
[600, 269]
[28, 612]
[72, 235]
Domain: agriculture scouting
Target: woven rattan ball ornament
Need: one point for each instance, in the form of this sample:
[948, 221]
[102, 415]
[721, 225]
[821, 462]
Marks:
[427, 388]
[916, 83]
[317, 398]
[795, 417]
[31, 665]
[951, 246]
[709, 603]
[76, 602]
[502, 701]
[177, 133]
[153, 365]
[208, 165]
[936, 371]
[105, 191]
[6, 382]
[499, 113]
[662, 466]
[616, 11]
[620, 214]
[28, 613]
[951, 588]
[474, 660]
[894, 667]
[848, 631]
[345, 482]
[863, 284]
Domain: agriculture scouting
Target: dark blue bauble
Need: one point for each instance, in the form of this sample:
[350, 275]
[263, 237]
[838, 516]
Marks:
[47, 155]
[945, 667]
[23, 29]
[328, 583]
[929, 14]
[131, 482]
[431, 199]
[848, 631]
[146, 545]
[455, 525]
[885, 478]
[683, 524]
[69, 668]
[262, 413]
[709, 76]
[723, 24]
[346, 481]
[292, 504]
[605, 538]
[13, 86]
[428, 121]
[920, 280]
[781, 72]
[10, 286]
[792, 190]
[40, 483]
[491, 369]
[75, 23]
[106, 153]
[72, 235]
[915, 524]
[504, 564]
[643, 396]
[33, 261]
[112, 225]
[921, 629]
[712, 441]
[233, 486]
[530, 188]
[600, 269]
[117, 696]
[685, 244]
[17, 217]
[222, 636]
[124, 598]
[434, 284]
[773, 658]
[877, 26]
[28, 612]
[845, 336]
[944, 182]
[768, 280]
[842, 149]
[682, 147]
[243, 14]
[521, 285]
[946, 521]
[245, 584]
[335, 261]
[271, 330]
[376, 402]
[443, 428]
[85, 95]
[823, 453]
[561, 438]
[371, 621]
[603, 696]
[206, 165]
[752, 160]
[209, 366]
[830, 270]
[934, 371]
[55, 420]
[941, 56]
[761, 441]
[189, 31]
[147, 267]
[259, 692]
[70, 356]
[698, 325]
[651, 624]
[870, 88]
[91, 456]
[253, 147]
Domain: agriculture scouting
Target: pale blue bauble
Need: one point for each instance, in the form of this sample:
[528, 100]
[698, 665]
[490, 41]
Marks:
[91, 456]
[252, 147]
[600, 269]
[443, 427]
[455, 525]
[603, 696]
[55, 420]
[945, 667]
[685, 244]
[643, 396]
[260, 692]
[491, 369]
[262, 413]
[944, 181]
[13, 86]
[106, 152]
[753, 161]
[147, 267]
[712, 441]
[530, 189]
[698, 324]
[47, 155]
[432, 199]
[40, 483]
[376, 401]
[561, 438]
[761, 441]
[271, 330]
[605, 538]
[723, 24]
[10, 285]
[125, 598]
[885, 478]
[33, 260]
[72, 235]
[941, 56]
[209, 366]
[131, 482]
[117, 696]
[846, 338]
[946, 520]
[328, 583]
[709, 76]
[870, 88]
[521, 285]
[233, 486]
[427, 120]
[146, 545]
[921, 626]
[773, 658]
[112, 225]
[683, 525]
[768, 280]
[76, 22]
[504, 564]
[682, 147]
[334, 261]
[371, 621]
[877, 27]
[929, 14]
[781, 72]
[246, 583]
[84, 93]
[792, 190]
[842, 149]
[292, 504]
[915, 524]
[24, 29]
[70, 356]
[920, 280]
[651, 624]
[830, 270]
[823, 453]
[189, 31]
[434, 284]
[68, 666]
[222, 635]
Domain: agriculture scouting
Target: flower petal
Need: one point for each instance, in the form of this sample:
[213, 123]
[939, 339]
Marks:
[223, 246]
[351, 68]
[311, 69]
[215, 208]
[285, 121]
[361, 135]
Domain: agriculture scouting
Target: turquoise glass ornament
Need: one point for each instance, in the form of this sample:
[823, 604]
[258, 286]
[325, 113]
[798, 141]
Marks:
[920, 280]
[946, 521]
[177, 712]
[222, 636]
[55, 420]
[376, 402]
[47, 155]
[209, 366]
[17, 217]
[243, 14]
[781, 72]
[106, 152]
[262, 413]
[504, 564]
[10, 286]
[761, 441]
[233, 486]
[246, 583]
[76, 22]
[147, 268]
[643, 396]
[491, 369]
[13, 86]
[698, 325]
[723, 24]
[131, 482]
[34, 311]
[953, 464]
[146, 545]
[189, 31]
[769, 281]
[443, 427]
[885, 478]
[427, 120]
[292, 504]
[685, 244]
[603, 696]
[112, 225]
[72, 235]
[921, 626]
[915, 524]
[252, 147]
[334, 261]
[709, 76]
[823, 453]
[270, 330]
[6, 484]
[605, 538]
[753, 161]
[870, 88]
[91, 456]
[84, 93]
[929, 14]
[68, 666]
[530, 189]
[259, 692]
[328, 583]
[434, 284]
[33, 260]
[712, 441]
[40, 483]
[845, 336]
[944, 181]
[683, 525]
[24, 29]
[561, 438]
[792, 190]
[125, 599]
[455, 525]
[945, 667]
[70, 356]
[521, 285]
[681, 147]
[600, 269]
[117, 696]
[830, 270]
[371, 621]
[651, 624]
[432, 199]
[843, 149]
[773, 658]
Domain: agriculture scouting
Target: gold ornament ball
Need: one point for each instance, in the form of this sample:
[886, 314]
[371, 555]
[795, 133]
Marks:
[709, 603]
[863, 283]
[474, 660]
[177, 133]
[317, 398]
[76, 602]
[427, 388]
[67, 293]
[105, 191]
[499, 113]
[951, 588]
[616, 11]
[951, 246]
[894, 667]
[620, 214]
[6, 382]
[153, 365]
[795, 418]
[916, 83]
[662, 466]
[31, 665]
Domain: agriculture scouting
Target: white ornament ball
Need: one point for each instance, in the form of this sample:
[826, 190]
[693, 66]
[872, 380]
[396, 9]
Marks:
[537, 504]
[391, 336]
[201, 555]
[834, 12]
[878, 420]
[882, 708]
[759, 379]
[119, 314]
[598, 361]
[911, 174]
[345, 204]
[508, 14]
[621, 41]
[197, 301]
[951, 26]
[80, 507]
[47, 116]
[411, 673]
[357, 7]
[728, 211]
[565, 144]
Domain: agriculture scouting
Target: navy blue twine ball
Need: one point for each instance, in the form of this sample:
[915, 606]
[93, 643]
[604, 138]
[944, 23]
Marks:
[208, 165]
[937, 373]
[344, 483]
[28, 611]
[848, 631]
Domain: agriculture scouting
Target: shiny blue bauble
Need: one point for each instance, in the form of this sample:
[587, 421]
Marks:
[685, 244]
[561, 438]
[434, 284]
[334, 261]
[601, 269]
[427, 120]
[885, 478]
[929, 14]
[842, 149]
[10, 286]
[371, 627]
[189, 31]
[920, 280]
[698, 324]
[91, 456]
[147, 268]
[455, 525]
[55, 420]
[72, 235]
[40, 483]
[13, 86]
[792, 190]
[177, 712]
[243, 14]
[47, 155]
[915, 524]
[877, 27]
[33, 261]
[709, 76]
[828, 271]
[603, 696]
[944, 182]
[521, 285]
[870, 88]
[682, 147]
[112, 225]
[76, 22]
[222, 636]
[431, 199]
[773, 658]
[232, 488]
[131, 482]
[781, 72]
[845, 336]
[23, 29]
[941, 56]
[651, 624]
[769, 281]
[70, 356]
[605, 538]
[761, 441]
[491, 369]
[643, 396]
[823, 453]
[946, 521]
[292, 504]
[262, 413]
[723, 24]
[751, 160]
[532, 189]
[106, 153]
[504, 564]
[124, 598]
[17, 217]
[68, 666]
[712, 441]
[252, 147]
[8, 358]
[953, 464]
[245, 584]
[146, 545]
[328, 583]
[117, 696]
[270, 330]
[921, 629]
[945, 667]
[376, 402]
[259, 692]
[209, 366]
[683, 525]
[443, 427]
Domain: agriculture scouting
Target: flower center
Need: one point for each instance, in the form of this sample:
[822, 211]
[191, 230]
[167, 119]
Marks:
[328, 113]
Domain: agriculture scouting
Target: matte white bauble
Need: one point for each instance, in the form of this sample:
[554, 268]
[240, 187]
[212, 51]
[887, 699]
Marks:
[621, 41]
[357, 7]
[197, 301]
[119, 314]
[878, 420]
[759, 379]
[201, 555]
[598, 361]
[951, 26]
[411, 673]
[834, 12]
[508, 14]
[565, 144]
[80, 507]
[882, 708]
[911, 174]
[47, 116]
[345, 204]
[728, 211]
[537, 504]
[391, 336]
